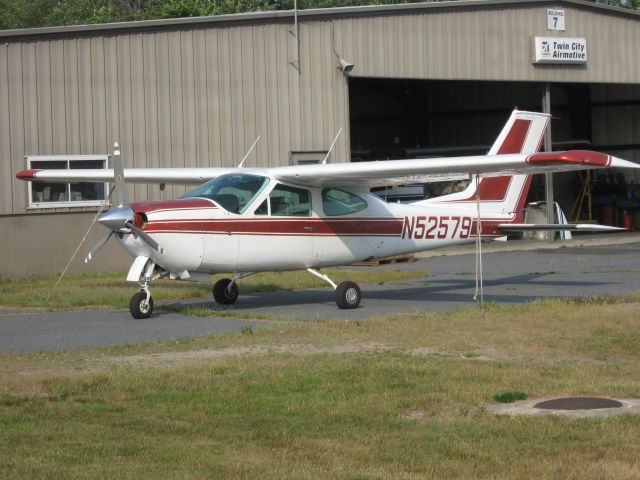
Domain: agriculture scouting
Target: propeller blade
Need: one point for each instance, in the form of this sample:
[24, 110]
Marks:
[145, 237]
[94, 251]
[118, 176]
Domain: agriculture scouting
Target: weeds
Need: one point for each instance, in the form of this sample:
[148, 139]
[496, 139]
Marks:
[247, 330]
[510, 397]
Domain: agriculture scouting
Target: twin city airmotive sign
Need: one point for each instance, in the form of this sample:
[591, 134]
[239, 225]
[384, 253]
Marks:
[560, 50]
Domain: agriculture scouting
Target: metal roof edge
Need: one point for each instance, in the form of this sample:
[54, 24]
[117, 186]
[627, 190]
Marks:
[284, 16]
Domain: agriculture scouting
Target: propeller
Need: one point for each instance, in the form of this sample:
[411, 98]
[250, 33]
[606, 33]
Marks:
[101, 243]
[121, 218]
[117, 219]
[144, 237]
[118, 176]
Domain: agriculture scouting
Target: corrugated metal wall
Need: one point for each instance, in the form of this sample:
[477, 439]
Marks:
[199, 97]
[488, 45]
[172, 99]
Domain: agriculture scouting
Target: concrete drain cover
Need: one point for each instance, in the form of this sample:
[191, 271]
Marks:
[579, 407]
[578, 403]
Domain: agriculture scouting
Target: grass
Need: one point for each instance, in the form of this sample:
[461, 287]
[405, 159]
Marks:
[398, 397]
[510, 397]
[111, 289]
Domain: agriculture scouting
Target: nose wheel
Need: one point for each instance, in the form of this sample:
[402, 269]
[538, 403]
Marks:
[141, 305]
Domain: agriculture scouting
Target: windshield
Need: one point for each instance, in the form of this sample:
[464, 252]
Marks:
[233, 192]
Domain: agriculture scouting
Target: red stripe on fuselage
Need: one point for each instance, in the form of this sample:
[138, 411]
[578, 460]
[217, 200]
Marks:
[171, 205]
[310, 227]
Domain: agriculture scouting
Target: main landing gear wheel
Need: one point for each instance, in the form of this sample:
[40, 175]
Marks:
[139, 307]
[348, 295]
[225, 292]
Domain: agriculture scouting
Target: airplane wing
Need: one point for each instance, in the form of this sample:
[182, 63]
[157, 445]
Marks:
[357, 174]
[372, 174]
[181, 176]
[514, 152]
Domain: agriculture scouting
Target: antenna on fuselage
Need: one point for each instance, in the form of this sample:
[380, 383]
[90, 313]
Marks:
[241, 165]
[331, 147]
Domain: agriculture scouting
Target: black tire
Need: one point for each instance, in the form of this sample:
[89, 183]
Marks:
[221, 293]
[348, 295]
[138, 305]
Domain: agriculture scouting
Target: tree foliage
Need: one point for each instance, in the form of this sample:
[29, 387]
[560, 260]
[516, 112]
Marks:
[45, 13]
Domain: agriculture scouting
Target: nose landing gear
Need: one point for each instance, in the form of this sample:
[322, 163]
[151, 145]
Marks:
[141, 304]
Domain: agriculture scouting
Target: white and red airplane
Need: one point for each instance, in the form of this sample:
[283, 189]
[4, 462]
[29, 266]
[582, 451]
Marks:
[246, 220]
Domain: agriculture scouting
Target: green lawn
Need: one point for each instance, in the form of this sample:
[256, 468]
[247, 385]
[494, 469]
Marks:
[399, 397]
[111, 289]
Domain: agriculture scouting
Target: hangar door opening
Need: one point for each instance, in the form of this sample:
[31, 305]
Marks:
[393, 118]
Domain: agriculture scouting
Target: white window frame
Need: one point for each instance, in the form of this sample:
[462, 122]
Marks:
[307, 158]
[67, 203]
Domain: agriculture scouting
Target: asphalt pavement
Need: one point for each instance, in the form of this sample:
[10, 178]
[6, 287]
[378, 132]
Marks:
[513, 273]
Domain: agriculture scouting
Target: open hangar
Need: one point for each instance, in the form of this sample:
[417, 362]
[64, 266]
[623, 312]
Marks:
[411, 80]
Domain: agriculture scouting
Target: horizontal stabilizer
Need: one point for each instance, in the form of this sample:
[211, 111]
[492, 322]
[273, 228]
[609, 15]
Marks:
[573, 227]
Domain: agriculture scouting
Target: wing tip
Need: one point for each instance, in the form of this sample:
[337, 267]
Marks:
[586, 158]
[27, 175]
[622, 163]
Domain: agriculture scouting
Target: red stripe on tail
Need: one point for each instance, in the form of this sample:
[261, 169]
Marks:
[514, 141]
[496, 188]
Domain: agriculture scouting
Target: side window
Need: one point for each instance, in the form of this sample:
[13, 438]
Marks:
[338, 202]
[290, 201]
[79, 194]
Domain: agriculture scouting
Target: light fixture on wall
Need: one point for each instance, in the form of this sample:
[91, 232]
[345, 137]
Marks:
[345, 66]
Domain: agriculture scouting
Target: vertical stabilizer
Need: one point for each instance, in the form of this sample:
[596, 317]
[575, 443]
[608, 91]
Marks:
[523, 133]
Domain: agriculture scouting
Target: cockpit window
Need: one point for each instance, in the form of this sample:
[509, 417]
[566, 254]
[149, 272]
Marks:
[338, 202]
[233, 192]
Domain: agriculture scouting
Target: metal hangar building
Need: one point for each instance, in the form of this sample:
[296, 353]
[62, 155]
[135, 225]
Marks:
[411, 80]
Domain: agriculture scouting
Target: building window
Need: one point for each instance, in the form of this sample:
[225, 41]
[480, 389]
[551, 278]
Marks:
[307, 158]
[55, 195]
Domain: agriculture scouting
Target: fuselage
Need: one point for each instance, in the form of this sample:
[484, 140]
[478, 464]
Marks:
[288, 227]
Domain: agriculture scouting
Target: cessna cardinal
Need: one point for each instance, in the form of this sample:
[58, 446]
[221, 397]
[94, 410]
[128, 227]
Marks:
[246, 220]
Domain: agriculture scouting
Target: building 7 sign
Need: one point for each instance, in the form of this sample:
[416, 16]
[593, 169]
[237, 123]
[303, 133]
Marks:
[560, 50]
[555, 19]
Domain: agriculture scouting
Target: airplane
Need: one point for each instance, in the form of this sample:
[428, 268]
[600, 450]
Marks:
[308, 217]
